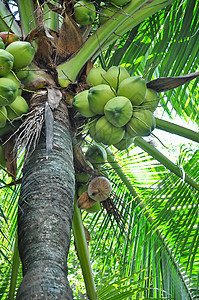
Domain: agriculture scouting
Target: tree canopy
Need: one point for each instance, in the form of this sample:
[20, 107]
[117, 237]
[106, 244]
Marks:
[144, 241]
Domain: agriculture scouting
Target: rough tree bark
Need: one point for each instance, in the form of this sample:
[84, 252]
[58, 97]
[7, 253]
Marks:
[45, 215]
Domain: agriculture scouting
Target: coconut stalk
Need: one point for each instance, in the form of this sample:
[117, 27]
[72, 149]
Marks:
[177, 129]
[132, 14]
[83, 252]
[155, 153]
[15, 269]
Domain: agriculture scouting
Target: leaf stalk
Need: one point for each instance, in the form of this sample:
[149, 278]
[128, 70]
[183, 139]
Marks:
[83, 252]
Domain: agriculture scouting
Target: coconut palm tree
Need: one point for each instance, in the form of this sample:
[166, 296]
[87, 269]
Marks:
[144, 243]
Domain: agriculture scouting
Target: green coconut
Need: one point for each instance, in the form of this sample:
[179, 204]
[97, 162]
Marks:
[8, 91]
[6, 62]
[3, 116]
[85, 12]
[107, 133]
[81, 104]
[96, 154]
[98, 96]
[115, 75]
[96, 76]
[23, 53]
[2, 157]
[133, 88]
[141, 124]
[17, 108]
[118, 111]
[151, 100]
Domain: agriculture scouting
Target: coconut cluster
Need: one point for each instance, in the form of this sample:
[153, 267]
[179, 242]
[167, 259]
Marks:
[119, 106]
[86, 12]
[14, 57]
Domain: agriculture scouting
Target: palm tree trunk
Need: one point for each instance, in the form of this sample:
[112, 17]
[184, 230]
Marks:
[45, 215]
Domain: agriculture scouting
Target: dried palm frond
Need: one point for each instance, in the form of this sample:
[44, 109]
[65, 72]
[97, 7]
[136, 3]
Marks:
[28, 133]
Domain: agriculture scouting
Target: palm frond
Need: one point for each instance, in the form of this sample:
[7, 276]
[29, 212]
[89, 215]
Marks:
[9, 194]
[164, 45]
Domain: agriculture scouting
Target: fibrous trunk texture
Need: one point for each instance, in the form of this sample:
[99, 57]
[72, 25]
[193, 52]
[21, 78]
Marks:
[45, 215]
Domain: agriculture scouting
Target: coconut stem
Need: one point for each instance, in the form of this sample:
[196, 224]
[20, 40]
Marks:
[15, 269]
[177, 129]
[83, 252]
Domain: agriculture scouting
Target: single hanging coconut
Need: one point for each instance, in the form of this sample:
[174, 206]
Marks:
[96, 76]
[106, 133]
[118, 111]
[23, 53]
[85, 12]
[96, 154]
[133, 88]
[115, 75]
[98, 96]
[8, 91]
[141, 124]
[99, 189]
[6, 62]
[81, 104]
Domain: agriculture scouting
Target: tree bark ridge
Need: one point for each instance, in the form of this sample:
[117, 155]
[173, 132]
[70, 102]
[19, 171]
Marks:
[45, 215]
